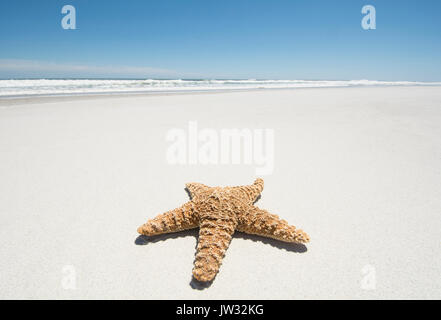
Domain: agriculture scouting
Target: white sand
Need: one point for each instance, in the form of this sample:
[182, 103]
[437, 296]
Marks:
[359, 169]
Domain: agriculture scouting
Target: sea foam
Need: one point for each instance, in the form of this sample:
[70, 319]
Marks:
[90, 86]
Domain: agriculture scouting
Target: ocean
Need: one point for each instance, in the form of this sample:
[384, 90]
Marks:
[26, 87]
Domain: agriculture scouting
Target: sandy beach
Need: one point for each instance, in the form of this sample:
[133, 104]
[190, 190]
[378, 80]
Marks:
[359, 169]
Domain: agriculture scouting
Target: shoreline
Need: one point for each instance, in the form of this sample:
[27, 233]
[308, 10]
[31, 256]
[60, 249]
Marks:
[42, 98]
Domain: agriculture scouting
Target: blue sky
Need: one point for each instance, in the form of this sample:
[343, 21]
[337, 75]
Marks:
[291, 39]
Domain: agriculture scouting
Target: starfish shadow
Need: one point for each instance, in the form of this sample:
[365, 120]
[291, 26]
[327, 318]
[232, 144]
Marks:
[144, 240]
[201, 285]
[189, 193]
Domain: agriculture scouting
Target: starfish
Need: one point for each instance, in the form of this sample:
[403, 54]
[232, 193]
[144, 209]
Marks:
[219, 212]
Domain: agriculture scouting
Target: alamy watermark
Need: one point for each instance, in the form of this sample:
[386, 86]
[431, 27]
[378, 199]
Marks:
[369, 279]
[69, 279]
[209, 146]
[69, 21]
[369, 21]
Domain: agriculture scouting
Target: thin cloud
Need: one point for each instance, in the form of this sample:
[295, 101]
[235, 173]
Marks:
[31, 68]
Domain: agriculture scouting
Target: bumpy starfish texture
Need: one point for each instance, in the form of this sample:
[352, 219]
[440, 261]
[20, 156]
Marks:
[219, 212]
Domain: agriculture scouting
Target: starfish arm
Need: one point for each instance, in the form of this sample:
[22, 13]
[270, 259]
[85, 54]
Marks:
[214, 239]
[251, 192]
[261, 222]
[182, 218]
[196, 188]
